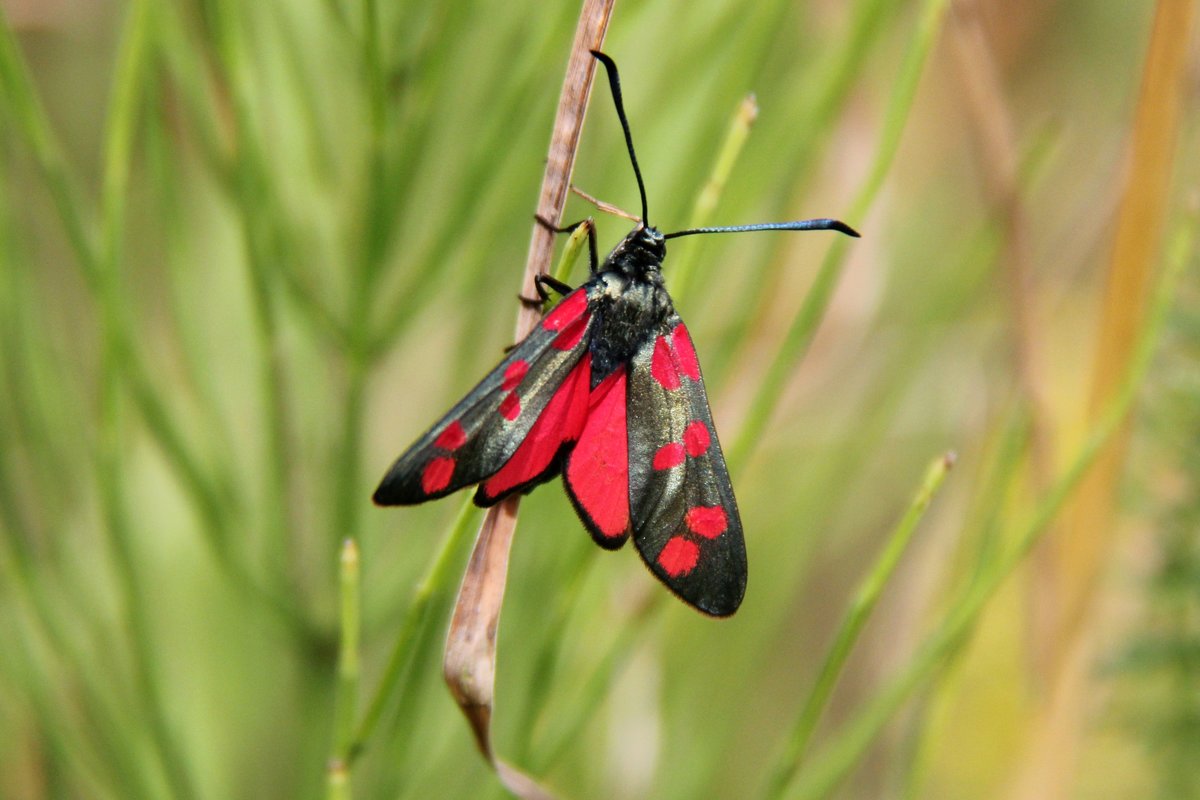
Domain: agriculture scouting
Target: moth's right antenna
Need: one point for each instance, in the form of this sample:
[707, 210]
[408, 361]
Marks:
[799, 225]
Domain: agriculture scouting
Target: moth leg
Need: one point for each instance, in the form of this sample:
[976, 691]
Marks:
[540, 283]
[593, 253]
[550, 226]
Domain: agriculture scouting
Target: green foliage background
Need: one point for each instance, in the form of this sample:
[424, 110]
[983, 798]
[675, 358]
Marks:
[249, 250]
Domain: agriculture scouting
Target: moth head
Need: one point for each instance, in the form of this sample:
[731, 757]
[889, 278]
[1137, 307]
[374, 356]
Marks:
[647, 241]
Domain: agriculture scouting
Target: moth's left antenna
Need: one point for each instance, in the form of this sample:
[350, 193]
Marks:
[614, 82]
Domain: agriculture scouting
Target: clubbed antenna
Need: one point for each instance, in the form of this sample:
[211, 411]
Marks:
[799, 225]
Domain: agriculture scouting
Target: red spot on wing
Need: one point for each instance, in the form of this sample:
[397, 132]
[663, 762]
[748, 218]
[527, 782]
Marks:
[597, 473]
[437, 474]
[696, 439]
[662, 366]
[685, 354]
[669, 455]
[452, 438]
[707, 521]
[560, 421]
[514, 374]
[678, 556]
[566, 312]
[510, 406]
[571, 335]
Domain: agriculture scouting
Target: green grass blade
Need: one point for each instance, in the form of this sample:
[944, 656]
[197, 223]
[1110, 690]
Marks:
[861, 607]
[431, 600]
[844, 752]
[348, 670]
[129, 81]
[679, 277]
[804, 325]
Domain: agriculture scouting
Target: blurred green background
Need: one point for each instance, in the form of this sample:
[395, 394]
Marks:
[249, 251]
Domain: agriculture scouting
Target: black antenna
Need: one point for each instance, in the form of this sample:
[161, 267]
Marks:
[799, 225]
[614, 82]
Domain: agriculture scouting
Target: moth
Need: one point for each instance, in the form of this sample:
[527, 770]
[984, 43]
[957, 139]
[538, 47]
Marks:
[606, 391]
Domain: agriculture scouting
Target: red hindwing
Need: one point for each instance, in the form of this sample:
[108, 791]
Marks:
[597, 472]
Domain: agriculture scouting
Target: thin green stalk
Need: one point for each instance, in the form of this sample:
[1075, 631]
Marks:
[996, 483]
[260, 214]
[348, 669]
[374, 238]
[595, 688]
[373, 68]
[216, 508]
[213, 505]
[912, 765]
[348, 498]
[78, 745]
[26, 114]
[437, 585]
[546, 660]
[571, 252]
[129, 80]
[861, 607]
[875, 414]
[40, 621]
[185, 68]
[348, 654]
[509, 98]
[847, 748]
[46, 612]
[805, 323]
[299, 64]
[337, 12]
[19, 429]
[339, 782]
[187, 321]
[818, 100]
[744, 115]
[830, 86]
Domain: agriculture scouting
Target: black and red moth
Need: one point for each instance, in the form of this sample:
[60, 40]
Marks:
[607, 392]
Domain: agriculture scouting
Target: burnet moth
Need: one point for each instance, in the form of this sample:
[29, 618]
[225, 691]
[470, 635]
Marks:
[607, 392]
